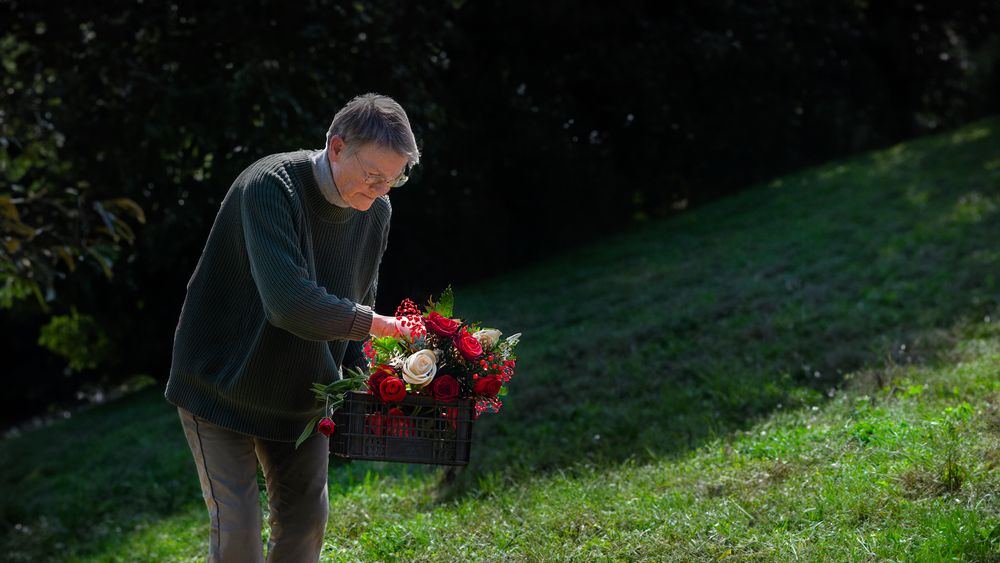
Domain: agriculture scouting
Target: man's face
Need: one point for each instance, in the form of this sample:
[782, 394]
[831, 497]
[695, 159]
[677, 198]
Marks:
[363, 173]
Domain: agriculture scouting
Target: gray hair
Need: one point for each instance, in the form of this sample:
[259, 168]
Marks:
[373, 118]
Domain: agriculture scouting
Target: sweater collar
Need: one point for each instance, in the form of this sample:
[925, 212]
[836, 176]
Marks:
[324, 178]
[321, 194]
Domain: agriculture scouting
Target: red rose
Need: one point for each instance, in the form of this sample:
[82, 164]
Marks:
[440, 325]
[392, 390]
[326, 427]
[373, 424]
[398, 424]
[488, 386]
[451, 415]
[468, 346]
[445, 388]
[375, 380]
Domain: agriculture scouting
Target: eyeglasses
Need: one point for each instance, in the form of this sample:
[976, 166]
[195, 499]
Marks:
[375, 179]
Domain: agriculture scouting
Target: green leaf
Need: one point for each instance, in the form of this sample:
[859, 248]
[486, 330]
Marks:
[342, 386]
[995, 535]
[104, 261]
[107, 217]
[129, 205]
[356, 373]
[385, 347]
[310, 428]
[123, 231]
[444, 305]
[16, 289]
[63, 252]
[319, 390]
[7, 208]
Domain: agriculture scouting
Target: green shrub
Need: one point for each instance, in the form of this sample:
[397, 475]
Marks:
[78, 338]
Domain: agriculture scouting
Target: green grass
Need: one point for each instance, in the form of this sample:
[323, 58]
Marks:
[807, 370]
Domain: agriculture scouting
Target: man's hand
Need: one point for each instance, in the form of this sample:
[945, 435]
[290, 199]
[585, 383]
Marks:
[385, 326]
[389, 326]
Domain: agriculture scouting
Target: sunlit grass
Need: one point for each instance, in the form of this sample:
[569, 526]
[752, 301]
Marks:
[809, 369]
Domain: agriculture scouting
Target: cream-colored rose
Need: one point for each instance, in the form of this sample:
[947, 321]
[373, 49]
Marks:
[419, 368]
[487, 338]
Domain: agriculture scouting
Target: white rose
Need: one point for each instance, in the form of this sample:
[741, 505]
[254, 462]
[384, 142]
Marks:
[419, 368]
[487, 338]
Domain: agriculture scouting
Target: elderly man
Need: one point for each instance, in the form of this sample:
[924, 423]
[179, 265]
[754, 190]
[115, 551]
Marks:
[281, 297]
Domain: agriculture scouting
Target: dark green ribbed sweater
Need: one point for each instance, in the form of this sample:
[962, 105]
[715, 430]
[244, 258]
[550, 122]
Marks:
[286, 280]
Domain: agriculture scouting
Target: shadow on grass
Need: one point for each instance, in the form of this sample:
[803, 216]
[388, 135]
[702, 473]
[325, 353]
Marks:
[92, 477]
[651, 343]
[92, 483]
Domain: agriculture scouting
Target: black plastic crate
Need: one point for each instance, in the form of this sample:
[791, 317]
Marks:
[423, 434]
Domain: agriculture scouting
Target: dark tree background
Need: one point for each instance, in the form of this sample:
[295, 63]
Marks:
[543, 125]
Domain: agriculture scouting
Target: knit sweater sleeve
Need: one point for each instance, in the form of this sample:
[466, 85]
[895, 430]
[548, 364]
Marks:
[291, 297]
[354, 356]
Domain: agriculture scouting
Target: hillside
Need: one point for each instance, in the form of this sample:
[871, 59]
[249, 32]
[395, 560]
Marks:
[807, 370]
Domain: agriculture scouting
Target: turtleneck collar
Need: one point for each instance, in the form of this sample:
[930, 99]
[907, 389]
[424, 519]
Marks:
[324, 178]
[323, 197]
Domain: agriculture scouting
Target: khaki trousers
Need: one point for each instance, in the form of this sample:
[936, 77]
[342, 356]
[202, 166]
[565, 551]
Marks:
[296, 483]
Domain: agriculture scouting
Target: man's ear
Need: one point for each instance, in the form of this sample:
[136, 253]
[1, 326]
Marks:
[335, 147]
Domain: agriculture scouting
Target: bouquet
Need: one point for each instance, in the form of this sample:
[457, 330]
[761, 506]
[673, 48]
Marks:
[442, 357]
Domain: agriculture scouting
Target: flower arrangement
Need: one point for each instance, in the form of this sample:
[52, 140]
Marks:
[442, 358]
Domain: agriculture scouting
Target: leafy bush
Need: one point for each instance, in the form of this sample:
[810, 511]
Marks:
[78, 338]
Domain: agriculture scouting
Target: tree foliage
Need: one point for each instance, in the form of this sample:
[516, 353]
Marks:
[49, 219]
[543, 125]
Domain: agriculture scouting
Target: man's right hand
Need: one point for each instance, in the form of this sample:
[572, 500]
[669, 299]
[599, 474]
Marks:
[385, 326]
[388, 326]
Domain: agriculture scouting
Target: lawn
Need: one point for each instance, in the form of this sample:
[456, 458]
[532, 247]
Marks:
[807, 370]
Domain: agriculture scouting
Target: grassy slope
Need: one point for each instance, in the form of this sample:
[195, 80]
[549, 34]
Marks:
[805, 370]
